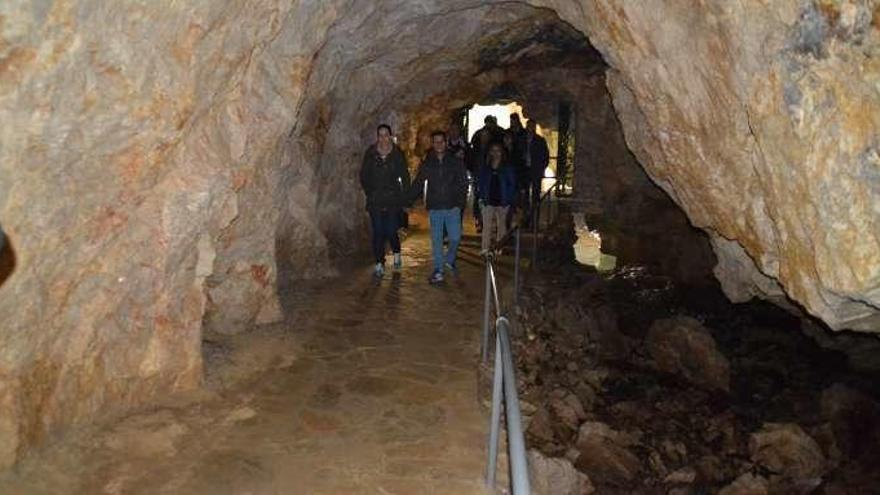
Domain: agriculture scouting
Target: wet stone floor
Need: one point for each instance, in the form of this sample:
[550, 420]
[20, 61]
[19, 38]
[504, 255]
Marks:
[367, 388]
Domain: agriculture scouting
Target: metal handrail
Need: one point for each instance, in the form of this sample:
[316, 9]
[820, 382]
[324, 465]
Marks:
[504, 380]
[532, 212]
[505, 376]
[489, 255]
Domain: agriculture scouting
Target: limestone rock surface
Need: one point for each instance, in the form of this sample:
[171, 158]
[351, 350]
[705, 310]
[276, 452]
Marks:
[761, 120]
[140, 193]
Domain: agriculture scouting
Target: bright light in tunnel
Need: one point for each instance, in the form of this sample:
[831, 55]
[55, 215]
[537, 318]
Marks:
[588, 246]
[477, 113]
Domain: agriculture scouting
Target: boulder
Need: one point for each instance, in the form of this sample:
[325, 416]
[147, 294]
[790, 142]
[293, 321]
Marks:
[683, 475]
[567, 408]
[556, 476]
[854, 420]
[540, 428]
[605, 454]
[747, 484]
[785, 449]
[683, 346]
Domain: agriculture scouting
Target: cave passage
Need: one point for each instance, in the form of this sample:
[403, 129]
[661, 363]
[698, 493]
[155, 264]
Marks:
[374, 392]
[186, 288]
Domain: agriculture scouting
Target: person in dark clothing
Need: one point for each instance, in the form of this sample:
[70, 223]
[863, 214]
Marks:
[445, 197]
[517, 141]
[496, 190]
[386, 182]
[455, 142]
[461, 154]
[516, 126]
[537, 157]
[476, 160]
[508, 146]
[491, 129]
[516, 158]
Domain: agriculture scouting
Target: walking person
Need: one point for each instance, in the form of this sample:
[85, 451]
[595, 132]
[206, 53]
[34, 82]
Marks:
[386, 181]
[497, 191]
[445, 197]
[537, 157]
[455, 142]
[476, 160]
[491, 129]
[517, 146]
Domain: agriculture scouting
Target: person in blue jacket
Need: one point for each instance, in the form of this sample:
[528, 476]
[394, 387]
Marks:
[496, 188]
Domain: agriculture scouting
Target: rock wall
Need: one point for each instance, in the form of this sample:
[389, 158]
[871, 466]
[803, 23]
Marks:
[140, 192]
[760, 119]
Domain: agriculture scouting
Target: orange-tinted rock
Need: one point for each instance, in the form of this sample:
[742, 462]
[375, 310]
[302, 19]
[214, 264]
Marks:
[760, 119]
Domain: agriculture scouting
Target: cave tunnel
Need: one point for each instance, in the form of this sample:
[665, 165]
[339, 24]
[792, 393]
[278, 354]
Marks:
[190, 305]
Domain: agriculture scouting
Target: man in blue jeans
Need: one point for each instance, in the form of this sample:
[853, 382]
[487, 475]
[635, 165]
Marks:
[445, 197]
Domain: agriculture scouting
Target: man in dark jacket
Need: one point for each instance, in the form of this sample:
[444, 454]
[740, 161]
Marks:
[445, 197]
[537, 157]
[516, 151]
[493, 131]
[385, 179]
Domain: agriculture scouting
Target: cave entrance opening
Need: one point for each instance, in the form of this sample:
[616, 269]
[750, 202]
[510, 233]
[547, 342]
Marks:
[477, 114]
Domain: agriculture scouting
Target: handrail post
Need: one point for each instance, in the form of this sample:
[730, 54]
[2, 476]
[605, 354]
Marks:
[516, 270]
[495, 425]
[487, 304]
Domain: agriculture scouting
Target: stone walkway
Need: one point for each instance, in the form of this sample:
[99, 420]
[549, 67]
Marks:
[371, 389]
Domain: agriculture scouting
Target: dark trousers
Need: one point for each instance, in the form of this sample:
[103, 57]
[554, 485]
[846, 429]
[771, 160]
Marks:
[535, 187]
[385, 224]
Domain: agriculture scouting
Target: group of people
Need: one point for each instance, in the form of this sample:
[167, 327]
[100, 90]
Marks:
[506, 167]
[524, 151]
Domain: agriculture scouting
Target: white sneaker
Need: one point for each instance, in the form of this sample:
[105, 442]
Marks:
[380, 270]
[398, 262]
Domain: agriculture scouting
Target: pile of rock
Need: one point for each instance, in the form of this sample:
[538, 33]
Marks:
[618, 409]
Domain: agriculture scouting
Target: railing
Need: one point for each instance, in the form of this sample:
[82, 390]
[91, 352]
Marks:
[504, 379]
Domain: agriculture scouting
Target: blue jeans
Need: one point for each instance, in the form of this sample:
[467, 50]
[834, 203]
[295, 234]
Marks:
[450, 221]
